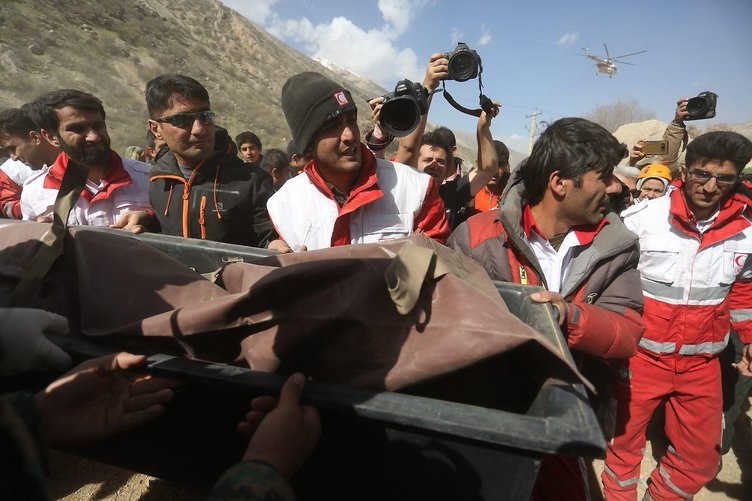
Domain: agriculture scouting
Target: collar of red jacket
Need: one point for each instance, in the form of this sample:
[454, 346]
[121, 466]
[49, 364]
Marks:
[726, 223]
[364, 191]
[115, 179]
[585, 233]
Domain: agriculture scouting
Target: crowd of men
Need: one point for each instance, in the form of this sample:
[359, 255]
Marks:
[646, 263]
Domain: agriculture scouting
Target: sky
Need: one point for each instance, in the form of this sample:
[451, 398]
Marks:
[532, 51]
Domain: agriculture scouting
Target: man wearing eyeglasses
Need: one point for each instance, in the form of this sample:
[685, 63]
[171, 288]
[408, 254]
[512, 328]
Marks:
[695, 246]
[199, 187]
[115, 192]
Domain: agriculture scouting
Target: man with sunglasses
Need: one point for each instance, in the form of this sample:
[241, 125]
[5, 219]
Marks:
[695, 246]
[199, 187]
[115, 192]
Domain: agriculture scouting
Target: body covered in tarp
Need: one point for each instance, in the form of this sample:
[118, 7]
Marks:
[402, 315]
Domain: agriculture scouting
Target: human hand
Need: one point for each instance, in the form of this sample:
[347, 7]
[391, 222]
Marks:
[282, 432]
[23, 346]
[436, 71]
[636, 154]
[281, 246]
[46, 219]
[681, 110]
[134, 221]
[485, 118]
[100, 398]
[376, 104]
[744, 366]
[556, 300]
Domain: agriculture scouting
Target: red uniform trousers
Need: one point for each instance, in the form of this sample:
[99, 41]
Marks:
[691, 387]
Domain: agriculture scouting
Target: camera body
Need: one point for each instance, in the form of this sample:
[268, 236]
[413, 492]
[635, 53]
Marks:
[464, 63]
[702, 106]
[403, 107]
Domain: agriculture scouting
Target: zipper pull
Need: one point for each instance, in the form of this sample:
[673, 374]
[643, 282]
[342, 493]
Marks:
[523, 275]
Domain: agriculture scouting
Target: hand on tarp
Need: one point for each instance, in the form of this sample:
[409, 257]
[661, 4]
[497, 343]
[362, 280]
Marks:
[281, 431]
[102, 397]
[556, 301]
[23, 346]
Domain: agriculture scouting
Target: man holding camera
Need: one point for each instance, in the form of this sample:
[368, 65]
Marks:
[345, 195]
[696, 275]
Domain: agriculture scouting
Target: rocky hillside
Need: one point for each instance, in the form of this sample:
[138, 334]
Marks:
[112, 48]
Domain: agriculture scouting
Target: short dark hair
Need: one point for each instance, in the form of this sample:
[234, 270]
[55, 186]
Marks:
[42, 110]
[721, 146]
[436, 139]
[502, 153]
[248, 137]
[447, 135]
[573, 146]
[159, 91]
[274, 159]
[16, 122]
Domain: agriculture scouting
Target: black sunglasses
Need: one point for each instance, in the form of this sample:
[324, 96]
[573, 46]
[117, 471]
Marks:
[184, 120]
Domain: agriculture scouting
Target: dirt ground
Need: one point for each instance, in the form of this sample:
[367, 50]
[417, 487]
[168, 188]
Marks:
[75, 479]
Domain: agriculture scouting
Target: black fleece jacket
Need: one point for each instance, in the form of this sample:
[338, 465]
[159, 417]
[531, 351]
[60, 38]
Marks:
[224, 199]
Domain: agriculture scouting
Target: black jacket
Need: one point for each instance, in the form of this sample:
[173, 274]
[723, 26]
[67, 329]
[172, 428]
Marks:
[224, 200]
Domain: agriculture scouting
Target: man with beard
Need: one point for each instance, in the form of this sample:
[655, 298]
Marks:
[116, 189]
[552, 229]
[199, 187]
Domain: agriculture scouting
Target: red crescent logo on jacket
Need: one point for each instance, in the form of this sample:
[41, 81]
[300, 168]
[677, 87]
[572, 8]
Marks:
[341, 98]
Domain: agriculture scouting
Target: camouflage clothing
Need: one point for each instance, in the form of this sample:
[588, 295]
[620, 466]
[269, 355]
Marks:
[24, 448]
[252, 480]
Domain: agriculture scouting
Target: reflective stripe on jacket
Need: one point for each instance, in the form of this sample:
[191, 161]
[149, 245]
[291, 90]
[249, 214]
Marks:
[696, 286]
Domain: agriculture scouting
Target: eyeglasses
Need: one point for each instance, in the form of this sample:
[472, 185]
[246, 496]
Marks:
[184, 120]
[722, 180]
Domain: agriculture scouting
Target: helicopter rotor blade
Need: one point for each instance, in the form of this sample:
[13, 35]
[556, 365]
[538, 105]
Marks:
[623, 62]
[608, 56]
[631, 54]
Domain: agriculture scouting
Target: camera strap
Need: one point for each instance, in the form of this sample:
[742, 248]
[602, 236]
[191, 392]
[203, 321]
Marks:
[485, 103]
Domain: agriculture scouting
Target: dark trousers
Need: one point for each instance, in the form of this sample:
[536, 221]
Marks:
[736, 389]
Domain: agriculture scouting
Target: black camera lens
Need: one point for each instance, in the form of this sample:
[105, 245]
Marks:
[463, 66]
[697, 106]
[400, 116]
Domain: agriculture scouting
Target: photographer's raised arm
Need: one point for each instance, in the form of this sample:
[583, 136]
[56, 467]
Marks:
[676, 134]
[487, 162]
[409, 146]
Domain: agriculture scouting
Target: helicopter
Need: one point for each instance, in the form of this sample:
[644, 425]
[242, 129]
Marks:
[608, 65]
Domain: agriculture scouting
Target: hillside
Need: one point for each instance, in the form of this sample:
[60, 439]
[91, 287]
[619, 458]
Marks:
[112, 48]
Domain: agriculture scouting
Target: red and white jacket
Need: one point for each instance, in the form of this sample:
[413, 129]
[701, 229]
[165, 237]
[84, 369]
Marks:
[696, 286]
[389, 201]
[125, 189]
[13, 174]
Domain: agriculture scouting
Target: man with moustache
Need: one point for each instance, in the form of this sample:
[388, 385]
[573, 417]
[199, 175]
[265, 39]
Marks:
[345, 195]
[695, 247]
[199, 187]
[115, 193]
[552, 230]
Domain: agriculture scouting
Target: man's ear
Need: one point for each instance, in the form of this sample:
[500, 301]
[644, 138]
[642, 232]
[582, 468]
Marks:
[154, 128]
[51, 138]
[557, 184]
[35, 137]
[684, 173]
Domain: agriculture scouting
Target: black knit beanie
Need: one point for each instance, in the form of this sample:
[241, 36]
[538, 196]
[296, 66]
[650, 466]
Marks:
[309, 100]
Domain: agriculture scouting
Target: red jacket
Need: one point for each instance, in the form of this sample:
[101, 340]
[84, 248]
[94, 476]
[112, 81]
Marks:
[697, 286]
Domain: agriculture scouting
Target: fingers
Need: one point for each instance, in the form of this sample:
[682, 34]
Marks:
[137, 403]
[263, 403]
[145, 384]
[291, 390]
[125, 361]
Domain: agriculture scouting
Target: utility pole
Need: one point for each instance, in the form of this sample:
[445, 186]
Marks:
[533, 127]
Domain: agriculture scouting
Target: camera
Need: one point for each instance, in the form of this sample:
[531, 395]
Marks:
[464, 63]
[702, 106]
[402, 108]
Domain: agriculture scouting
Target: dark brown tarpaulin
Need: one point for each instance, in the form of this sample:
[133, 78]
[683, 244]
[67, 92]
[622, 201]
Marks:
[329, 313]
